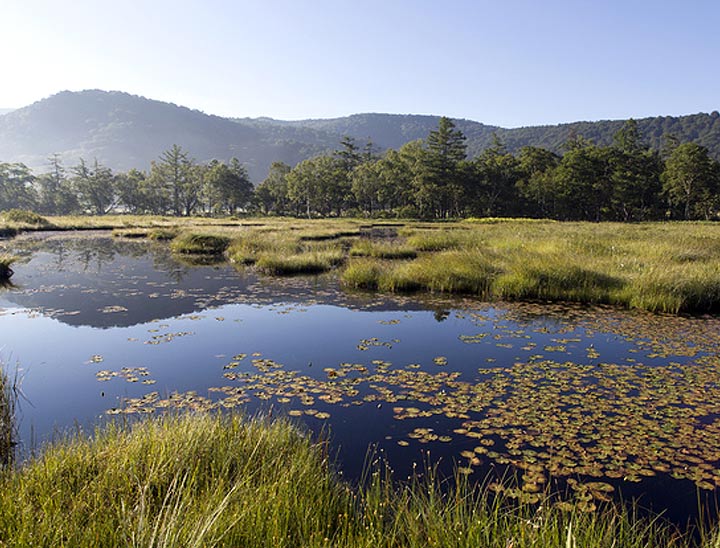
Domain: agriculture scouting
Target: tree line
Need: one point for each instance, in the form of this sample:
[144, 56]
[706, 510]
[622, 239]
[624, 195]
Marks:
[429, 178]
[175, 185]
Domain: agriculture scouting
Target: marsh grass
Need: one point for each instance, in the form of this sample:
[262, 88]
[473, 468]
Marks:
[211, 480]
[661, 267]
[22, 217]
[309, 262]
[195, 243]
[247, 247]
[162, 234]
[381, 250]
[8, 401]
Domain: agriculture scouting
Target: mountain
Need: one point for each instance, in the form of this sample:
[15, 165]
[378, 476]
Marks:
[5, 110]
[390, 130]
[126, 131]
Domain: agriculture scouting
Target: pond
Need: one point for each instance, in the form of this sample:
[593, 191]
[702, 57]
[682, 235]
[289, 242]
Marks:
[593, 401]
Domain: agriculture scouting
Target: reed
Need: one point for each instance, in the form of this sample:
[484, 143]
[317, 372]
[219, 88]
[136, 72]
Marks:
[211, 480]
[8, 402]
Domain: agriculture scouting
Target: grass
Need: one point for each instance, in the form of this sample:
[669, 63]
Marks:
[311, 262]
[195, 243]
[661, 267]
[8, 401]
[381, 250]
[211, 480]
[24, 217]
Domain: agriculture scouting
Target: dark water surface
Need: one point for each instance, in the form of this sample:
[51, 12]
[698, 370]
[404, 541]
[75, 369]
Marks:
[615, 402]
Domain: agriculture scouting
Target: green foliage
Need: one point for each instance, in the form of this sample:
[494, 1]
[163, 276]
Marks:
[271, 196]
[94, 187]
[691, 180]
[227, 188]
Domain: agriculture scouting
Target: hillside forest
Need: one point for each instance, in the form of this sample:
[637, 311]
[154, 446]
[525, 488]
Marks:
[428, 178]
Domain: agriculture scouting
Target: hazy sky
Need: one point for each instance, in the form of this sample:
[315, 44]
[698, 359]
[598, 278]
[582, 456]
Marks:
[508, 63]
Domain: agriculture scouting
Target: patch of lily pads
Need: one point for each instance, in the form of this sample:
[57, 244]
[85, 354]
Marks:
[593, 423]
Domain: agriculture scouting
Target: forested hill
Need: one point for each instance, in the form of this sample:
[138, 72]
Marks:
[394, 130]
[701, 128]
[126, 131]
[385, 130]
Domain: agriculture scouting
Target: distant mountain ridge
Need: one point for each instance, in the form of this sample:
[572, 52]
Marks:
[126, 131]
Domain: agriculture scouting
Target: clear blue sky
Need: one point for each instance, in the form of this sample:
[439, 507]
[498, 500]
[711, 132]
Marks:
[508, 63]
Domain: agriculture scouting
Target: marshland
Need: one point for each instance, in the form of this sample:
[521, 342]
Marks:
[397, 383]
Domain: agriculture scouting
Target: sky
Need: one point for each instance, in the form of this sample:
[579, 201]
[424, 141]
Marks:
[508, 63]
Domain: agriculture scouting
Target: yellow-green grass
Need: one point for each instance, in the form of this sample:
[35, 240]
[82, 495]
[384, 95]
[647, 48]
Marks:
[8, 401]
[663, 267]
[309, 262]
[207, 480]
[195, 243]
[381, 250]
[247, 247]
[162, 234]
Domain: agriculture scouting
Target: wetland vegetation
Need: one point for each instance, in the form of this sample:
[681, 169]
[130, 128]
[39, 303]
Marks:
[660, 267]
[202, 480]
[537, 408]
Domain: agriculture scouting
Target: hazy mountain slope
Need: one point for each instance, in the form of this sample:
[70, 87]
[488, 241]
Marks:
[703, 128]
[393, 130]
[125, 131]
[5, 110]
[390, 130]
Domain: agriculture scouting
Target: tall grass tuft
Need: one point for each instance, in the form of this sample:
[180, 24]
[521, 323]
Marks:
[381, 250]
[194, 480]
[200, 244]
[8, 402]
[310, 262]
[211, 480]
[25, 217]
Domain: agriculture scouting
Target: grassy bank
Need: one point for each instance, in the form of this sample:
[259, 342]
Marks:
[200, 480]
